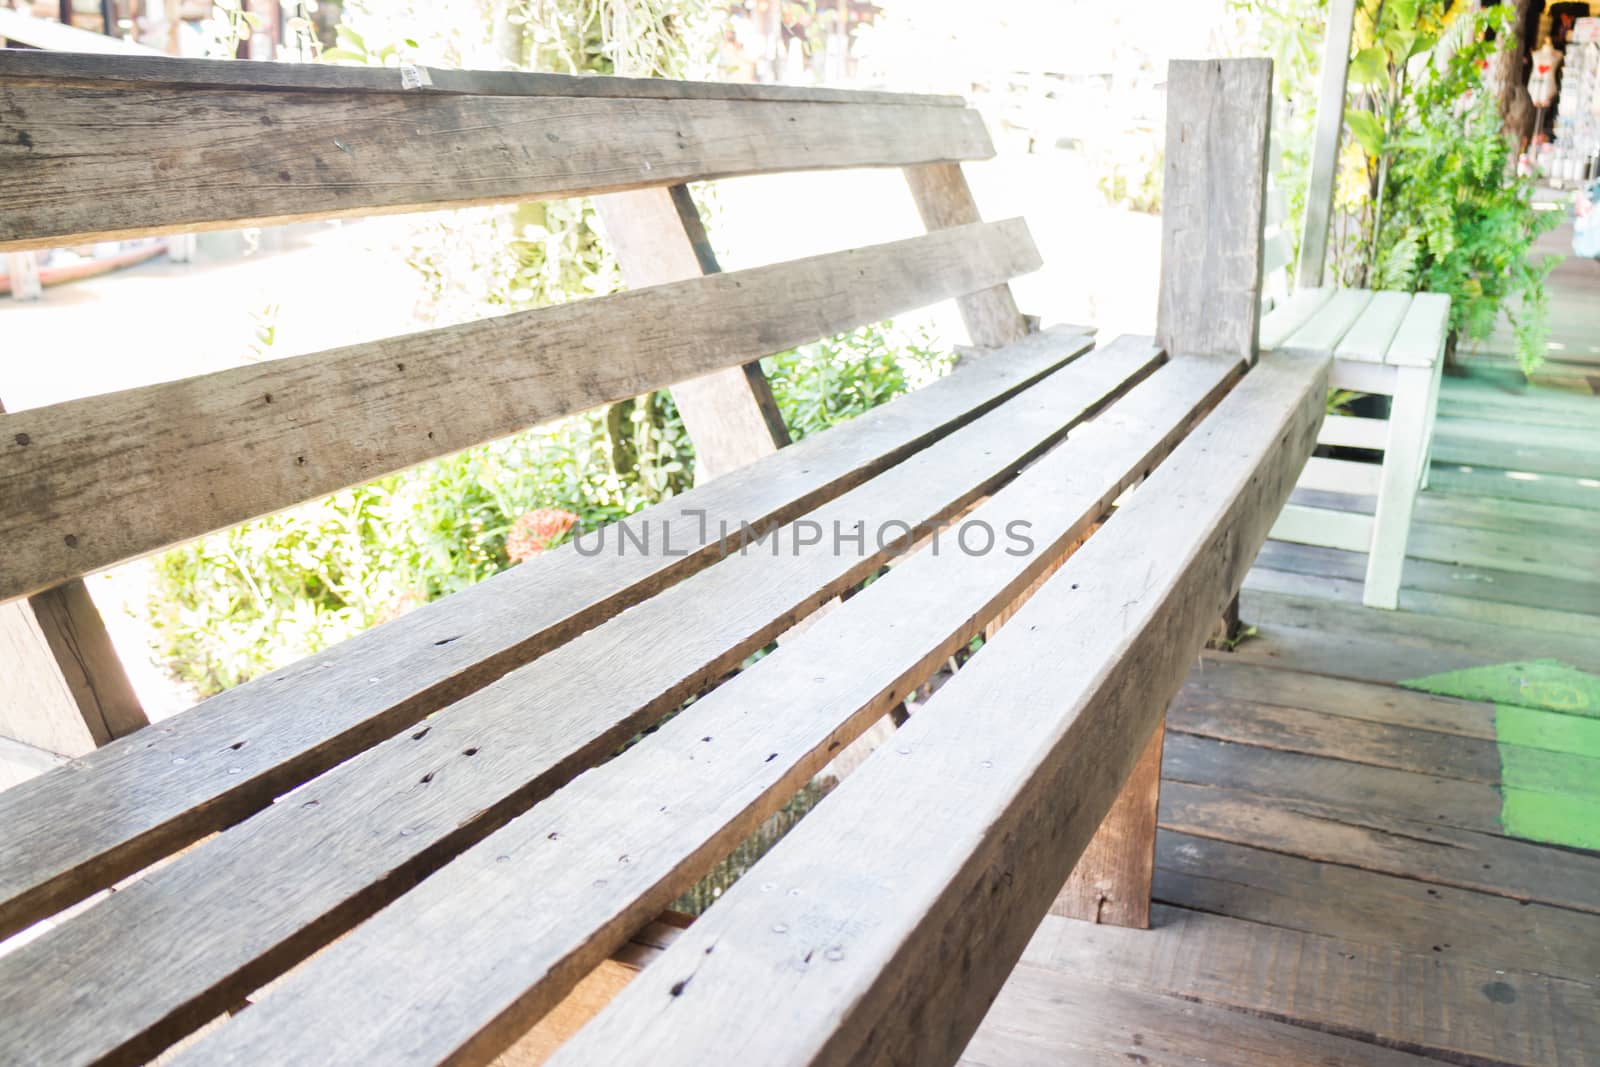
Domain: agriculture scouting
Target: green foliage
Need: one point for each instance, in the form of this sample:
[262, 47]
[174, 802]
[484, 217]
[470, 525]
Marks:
[1291, 32]
[1129, 174]
[1450, 215]
[822, 384]
[259, 596]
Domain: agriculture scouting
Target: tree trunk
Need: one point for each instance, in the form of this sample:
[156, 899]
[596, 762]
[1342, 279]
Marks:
[1516, 106]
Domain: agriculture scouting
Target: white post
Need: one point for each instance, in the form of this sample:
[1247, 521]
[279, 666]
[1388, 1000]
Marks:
[1325, 146]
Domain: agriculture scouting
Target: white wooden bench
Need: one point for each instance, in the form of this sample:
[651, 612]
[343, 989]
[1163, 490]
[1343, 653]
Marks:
[1385, 343]
[409, 848]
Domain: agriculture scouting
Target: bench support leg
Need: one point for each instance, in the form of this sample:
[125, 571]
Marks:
[1111, 883]
[66, 691]
[944, 199]
[1397, 489]
[730, 414]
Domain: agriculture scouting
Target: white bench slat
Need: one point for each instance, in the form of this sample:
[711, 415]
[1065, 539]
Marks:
[883, 925]
[1323, 331]
[428, 978]
[133, 803]
[1362, 377]
[1350, 431]
[1276, 253]
[355, 838]
[1369, 337]
[107, 478]
[1341, 476]
[1420, 340]
[1283, 320]
[1304, 525]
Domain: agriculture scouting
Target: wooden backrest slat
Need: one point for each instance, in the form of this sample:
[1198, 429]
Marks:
[90, 159]
[59, 68]
[549, 901]
[882, 926]
[91, 482]
[298, 721]
[355, 838]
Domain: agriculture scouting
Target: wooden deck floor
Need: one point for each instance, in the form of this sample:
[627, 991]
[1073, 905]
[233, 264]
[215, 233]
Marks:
[1340, 876]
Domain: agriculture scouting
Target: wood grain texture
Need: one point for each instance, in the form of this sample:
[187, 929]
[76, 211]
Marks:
[352, 840]
[56, 69]
[1297, 779]
[189, 158]
[1367, 907]
[235, 752]
[548, 893]
[1468, 1013]
[923, 874]
[91, 482]
[1356, 832]
[1044, 1016]
[730, 414]
[66, 691]
[944, 200]
[1111, 883]
[1213, 206]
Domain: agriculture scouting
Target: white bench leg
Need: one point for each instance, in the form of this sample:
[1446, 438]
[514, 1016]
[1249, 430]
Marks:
[1433, 414]
[1409, 421]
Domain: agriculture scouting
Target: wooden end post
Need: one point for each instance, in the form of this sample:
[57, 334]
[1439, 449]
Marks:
[1213, 208]
[730, 414]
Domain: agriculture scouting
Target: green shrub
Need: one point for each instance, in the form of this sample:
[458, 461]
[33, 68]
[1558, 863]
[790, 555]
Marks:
[256, 597]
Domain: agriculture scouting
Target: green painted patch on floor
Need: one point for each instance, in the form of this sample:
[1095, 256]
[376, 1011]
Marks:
[1547, 726]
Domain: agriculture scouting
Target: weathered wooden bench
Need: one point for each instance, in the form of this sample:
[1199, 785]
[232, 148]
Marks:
[409, 848]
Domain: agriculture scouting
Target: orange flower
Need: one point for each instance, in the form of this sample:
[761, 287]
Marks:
[536, 531]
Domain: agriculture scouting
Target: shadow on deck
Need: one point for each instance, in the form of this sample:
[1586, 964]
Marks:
[1354, 872]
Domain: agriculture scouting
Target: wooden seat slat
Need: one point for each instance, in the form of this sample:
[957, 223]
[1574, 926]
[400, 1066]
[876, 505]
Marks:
[1341, 476]
[1351, 431]
[1368, 339]
[548, 895]
[1324, 330]
[186, 157]
[881, 928]
[132, 802]
[1282, 321]
[1420, 340]
[211, 925]
[91, 482]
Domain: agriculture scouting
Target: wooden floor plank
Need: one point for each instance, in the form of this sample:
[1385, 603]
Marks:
[357, 837]
[1561, 490]
[1382, 744]
[1046, 1017]
[1299, 779]
[1433, 638]
[1484, 594]
[1366, 907]
[1355, 833]
[138, 801]
[1463, 1013]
